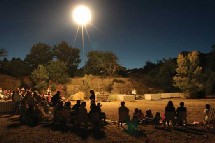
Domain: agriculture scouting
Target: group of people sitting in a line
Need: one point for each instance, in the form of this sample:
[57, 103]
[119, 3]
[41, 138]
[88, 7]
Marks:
[34, 108]
[77, 114]
[177, 117]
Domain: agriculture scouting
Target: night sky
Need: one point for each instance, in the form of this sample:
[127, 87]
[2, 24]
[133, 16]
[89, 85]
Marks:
[135, 30]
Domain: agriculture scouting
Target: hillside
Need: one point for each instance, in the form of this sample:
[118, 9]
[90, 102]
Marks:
[99, 84]
[9, 82]
[84, 84]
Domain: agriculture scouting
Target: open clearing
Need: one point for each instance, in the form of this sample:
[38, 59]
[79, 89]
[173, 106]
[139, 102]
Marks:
[11, 131]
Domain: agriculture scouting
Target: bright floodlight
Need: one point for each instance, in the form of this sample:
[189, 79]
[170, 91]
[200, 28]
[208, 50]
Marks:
[82, 15]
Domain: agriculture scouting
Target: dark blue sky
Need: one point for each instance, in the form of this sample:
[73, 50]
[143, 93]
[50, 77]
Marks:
[135, 30]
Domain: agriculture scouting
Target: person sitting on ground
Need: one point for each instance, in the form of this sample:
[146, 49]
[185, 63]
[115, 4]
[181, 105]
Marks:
[67, 112]
[102, 114]
[149, 117]
[149, 113]
[58, 112]
[82, 119]
[206, 112]
[56, 98]
[140, 115]
[31, 113]
[209, 116]
[77, 105]
[95, 117]
[135, 119]
[123, 112]
[94, 108]
[23, 112]
[169, 114]
[157, 120]
[181, 114]
[74, 111]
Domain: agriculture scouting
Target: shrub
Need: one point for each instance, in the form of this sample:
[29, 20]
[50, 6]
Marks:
[112, 97]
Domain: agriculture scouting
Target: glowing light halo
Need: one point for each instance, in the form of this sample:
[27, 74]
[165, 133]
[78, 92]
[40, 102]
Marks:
[81, 15]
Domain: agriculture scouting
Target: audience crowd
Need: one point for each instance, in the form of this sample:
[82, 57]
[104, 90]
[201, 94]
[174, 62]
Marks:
[34, 108]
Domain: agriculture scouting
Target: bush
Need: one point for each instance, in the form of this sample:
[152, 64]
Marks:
[200, 94]
[112, 97]
[196, 94]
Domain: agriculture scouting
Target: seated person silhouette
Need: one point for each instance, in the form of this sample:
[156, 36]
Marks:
[56, 98]
[140, 115]
[169, 114]
[123, 112]
[135, 119]
[74, 111]
[67, 112]
[95, 118]
[149, 117]
[77, 105]
[58, 113]
[102, 114]
[157, 119]
[181, 114]
[209, 118]
[206, 112]
[82, 120]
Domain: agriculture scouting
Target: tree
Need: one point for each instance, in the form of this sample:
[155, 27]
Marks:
[70, 56]
[211, 59]
[15, 67]
[101, 63]
[188, 74]
[3, 53]
[149, 66]
[209, 82]
[57, 72]
[40, 54]
[164, 75]
[3, 67]
[40, 77]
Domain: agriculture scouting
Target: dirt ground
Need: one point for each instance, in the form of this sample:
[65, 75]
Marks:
[12, 131]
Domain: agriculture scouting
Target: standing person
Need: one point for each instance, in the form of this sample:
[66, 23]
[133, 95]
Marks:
[16, 98]
[92, 96]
